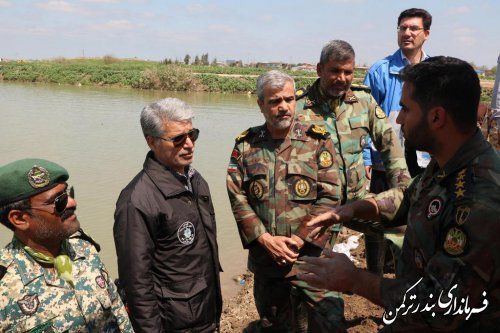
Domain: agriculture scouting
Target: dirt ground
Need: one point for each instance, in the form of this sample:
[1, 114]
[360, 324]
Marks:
[239, 313]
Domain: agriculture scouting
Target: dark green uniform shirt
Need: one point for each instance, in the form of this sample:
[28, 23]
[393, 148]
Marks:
[452, 242]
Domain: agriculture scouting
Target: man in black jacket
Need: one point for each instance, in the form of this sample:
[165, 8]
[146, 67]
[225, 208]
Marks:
[165, 233]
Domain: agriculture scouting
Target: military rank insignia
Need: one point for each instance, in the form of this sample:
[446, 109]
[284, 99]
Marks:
[379, 112]
[302, 188]
[455, 241]
[463, 185]
[38, 177]
[434, 207]
[256, 189]
[299, 93]
[325, 159]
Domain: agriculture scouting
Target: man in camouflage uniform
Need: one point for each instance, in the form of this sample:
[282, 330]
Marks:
[279, 174]
[352, 116]
[51, 276]
[449, 268]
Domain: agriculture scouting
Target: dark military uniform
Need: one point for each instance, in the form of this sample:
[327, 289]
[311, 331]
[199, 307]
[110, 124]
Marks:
[451, 243]
[274, 186]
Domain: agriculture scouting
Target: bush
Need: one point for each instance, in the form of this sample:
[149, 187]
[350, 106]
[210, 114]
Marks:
[169, 77]
[109, 59]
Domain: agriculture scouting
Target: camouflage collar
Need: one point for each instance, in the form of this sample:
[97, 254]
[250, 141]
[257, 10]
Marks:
[349, 97]
[30, 270]
[316, 97]
[260, 133]
[298, 131]
[472, 148]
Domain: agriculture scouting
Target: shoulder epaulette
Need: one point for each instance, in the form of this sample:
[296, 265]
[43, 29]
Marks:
[243, 135]
[301, 93]
[318, 131]
[82, 235]
[360, 87]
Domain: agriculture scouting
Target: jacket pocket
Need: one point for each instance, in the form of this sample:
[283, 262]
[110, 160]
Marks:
[301, 181]
[257, 182]
[359, 133]
[38, 324]
[186, 304]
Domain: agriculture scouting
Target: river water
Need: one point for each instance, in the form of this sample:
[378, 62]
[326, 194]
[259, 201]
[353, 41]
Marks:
[94, 132]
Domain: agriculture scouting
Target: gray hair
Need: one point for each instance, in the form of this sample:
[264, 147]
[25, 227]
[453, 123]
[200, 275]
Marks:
[337, 50]
[275, 79]
[154, 115]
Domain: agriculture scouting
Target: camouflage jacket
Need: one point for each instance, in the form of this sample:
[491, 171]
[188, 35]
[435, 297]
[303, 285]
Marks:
[351, 121]
[451, 240]
[35, 299]
[273, 185]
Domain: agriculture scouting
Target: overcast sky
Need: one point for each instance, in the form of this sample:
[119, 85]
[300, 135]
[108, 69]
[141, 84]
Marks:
[290, 31]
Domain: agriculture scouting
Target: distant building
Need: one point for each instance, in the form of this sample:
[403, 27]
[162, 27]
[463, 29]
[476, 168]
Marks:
[480, 72]
[271, 65]
[304, 68]
[234, 63]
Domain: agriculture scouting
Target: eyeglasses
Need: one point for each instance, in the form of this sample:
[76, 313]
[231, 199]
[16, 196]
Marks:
[413, 28]
[60, 202]
[179, 140]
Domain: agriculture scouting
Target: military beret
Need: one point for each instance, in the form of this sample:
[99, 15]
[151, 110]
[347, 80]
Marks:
[25, 178]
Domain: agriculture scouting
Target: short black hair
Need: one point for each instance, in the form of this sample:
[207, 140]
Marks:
[448, 82]
[23, 204]
[417, 12]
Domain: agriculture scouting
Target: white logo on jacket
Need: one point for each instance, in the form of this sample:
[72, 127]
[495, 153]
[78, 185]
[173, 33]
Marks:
[186, 233]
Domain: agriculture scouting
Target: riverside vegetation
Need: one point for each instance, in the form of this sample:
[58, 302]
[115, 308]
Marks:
[142, 74]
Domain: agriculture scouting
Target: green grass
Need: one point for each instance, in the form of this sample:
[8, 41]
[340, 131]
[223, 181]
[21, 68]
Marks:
[143, 74]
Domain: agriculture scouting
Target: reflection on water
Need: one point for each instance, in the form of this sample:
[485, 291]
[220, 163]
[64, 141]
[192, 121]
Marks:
[95, 133]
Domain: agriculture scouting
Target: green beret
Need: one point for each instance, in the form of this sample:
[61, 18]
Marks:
[25, 178]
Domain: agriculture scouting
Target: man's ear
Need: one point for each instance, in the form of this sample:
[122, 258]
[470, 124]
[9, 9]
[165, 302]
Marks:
[150, 141]
[318, 69]
[18, 219]
[261, 104]
[437, 117]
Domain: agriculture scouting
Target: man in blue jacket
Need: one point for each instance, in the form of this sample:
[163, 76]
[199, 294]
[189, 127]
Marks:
[385, 82]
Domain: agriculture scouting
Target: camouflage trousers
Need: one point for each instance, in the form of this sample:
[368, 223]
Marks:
[294, 306]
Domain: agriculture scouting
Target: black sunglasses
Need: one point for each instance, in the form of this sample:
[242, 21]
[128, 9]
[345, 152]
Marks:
[60, 202]
[181, 138]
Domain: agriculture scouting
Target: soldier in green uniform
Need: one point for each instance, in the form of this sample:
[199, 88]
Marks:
[352, 116]
[51, 276]
[279, 174]
[449, 268]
